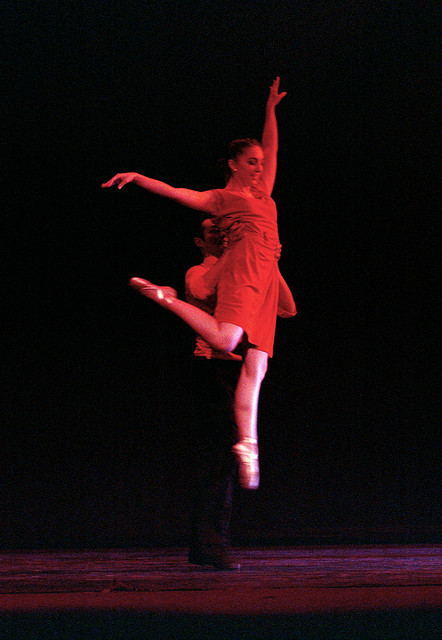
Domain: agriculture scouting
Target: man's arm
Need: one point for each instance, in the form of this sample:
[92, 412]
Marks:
[202, 280]
[196, 285]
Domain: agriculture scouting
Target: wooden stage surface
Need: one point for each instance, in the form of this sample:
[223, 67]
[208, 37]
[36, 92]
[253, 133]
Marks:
[273, 584]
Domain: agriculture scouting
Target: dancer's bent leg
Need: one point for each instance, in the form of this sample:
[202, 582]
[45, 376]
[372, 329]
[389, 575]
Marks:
[252, 374]
[223, 336]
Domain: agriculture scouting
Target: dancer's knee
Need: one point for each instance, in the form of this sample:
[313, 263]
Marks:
[229, 337]
[255, 365]
[227, 344]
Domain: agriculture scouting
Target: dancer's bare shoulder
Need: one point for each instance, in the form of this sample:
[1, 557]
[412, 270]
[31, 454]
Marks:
[204, 201]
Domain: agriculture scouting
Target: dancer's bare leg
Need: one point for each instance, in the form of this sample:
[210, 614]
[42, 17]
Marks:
[252, 374]
[222, 336]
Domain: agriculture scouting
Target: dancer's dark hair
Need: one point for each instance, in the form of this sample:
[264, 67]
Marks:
[234, 150]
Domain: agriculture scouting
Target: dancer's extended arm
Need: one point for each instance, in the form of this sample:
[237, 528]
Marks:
[199, 200]
[270, 136]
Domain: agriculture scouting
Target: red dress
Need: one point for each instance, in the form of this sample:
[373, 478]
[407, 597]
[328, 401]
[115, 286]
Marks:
[248, 287]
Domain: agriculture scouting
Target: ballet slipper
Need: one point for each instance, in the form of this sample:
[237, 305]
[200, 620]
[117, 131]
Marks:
[162, 295]
[246, 451]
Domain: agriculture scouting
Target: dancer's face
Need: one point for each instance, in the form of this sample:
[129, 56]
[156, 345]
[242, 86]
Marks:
[248, 167]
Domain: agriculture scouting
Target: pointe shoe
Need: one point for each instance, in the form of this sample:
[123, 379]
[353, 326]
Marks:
[153, 291]
[246, 450]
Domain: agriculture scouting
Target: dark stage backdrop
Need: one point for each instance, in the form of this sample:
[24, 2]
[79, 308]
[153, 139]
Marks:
[95, 440]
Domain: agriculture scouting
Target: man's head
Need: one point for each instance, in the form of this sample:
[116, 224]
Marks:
[211, 241]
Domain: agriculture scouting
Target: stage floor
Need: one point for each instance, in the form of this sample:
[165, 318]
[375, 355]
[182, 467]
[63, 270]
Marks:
[270, 579]
[395, 585]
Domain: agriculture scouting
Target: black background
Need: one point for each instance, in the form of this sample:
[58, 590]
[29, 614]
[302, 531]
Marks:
[95, 446]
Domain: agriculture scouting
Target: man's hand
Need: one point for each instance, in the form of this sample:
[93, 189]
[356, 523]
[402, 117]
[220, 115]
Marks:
[236, 231]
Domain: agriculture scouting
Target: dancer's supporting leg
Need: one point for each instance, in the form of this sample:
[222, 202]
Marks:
[252, 374]
[223, 336]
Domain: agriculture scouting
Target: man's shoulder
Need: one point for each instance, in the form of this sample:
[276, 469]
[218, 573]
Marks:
[203, 266]
[196, 269]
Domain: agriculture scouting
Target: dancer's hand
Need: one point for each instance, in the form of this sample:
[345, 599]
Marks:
[120, 179]
[274, 96]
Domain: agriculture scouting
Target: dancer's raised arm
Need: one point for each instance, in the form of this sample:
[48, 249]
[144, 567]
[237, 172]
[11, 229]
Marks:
[270, 136]
[199, 200]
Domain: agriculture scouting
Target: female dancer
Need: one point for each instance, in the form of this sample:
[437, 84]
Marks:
[250, 284]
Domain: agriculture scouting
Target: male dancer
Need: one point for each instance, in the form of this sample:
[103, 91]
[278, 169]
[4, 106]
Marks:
[214, 378]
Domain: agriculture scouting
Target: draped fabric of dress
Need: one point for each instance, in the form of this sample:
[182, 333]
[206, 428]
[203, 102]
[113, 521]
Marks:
[248, 287]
